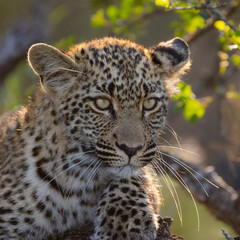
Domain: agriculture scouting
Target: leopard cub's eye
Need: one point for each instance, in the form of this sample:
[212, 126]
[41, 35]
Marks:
[102, 103]
[150, 104]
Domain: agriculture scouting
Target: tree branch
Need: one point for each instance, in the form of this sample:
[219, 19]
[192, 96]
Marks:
[229, 10]
[223, 202]
[201, 7]
[85, 232]
[162, 10]
[16, 42]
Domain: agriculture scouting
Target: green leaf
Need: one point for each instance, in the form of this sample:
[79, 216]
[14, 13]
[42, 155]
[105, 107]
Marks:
[185, 91]
[221, 26]
[98, 19]
[126, 8]
[162, 3]
[113, 13]
[195, 23]
[193, 110]
[192, 20]
[236, 60]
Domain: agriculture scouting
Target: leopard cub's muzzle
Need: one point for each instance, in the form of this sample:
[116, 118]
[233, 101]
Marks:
[128, 144]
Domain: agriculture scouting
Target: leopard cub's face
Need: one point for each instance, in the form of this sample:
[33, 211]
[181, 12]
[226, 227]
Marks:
[111, 95]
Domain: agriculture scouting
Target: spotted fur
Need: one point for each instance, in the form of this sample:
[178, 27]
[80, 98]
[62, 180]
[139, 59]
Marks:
[65, 162]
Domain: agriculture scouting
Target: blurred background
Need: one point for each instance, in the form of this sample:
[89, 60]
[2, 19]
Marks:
[205, 116]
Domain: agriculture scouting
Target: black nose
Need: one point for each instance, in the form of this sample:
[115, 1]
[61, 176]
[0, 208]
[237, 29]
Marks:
[130, 151]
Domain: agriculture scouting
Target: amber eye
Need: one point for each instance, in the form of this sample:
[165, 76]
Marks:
[150, 104]
[102, 103]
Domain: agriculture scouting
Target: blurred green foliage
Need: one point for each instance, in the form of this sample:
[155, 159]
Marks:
[65, 43]
[191, 21]
[118, 14]
[58, 14]
[230, 42]
[122, 17]
[17, 87]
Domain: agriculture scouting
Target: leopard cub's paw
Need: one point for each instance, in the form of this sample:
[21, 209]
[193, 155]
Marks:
[125, 212]
[131, 223]
[143, 229]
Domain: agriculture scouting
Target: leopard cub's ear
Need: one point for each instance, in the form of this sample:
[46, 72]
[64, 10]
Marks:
[56, 69]
[171, 57]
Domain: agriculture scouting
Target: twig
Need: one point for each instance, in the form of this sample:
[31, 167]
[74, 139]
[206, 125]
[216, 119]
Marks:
[228, 11]
[226, 235]
[202, 7]
[214, 10]
[161, 10]
[221, 17]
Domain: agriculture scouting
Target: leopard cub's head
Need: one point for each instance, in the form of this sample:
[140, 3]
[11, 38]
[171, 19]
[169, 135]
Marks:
[111, 95]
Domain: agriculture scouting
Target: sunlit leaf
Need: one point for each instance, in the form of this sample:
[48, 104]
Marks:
[221, 26]
[193, 110]
[185, 91]
[236, 60]
[195, 23]
[98, 19]
[112, 12]
[162, 3]
[232, 95]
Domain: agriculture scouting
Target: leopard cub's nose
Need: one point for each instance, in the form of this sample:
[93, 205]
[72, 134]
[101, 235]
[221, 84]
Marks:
[130, 151]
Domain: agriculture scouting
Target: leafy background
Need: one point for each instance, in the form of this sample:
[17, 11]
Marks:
[205, 115]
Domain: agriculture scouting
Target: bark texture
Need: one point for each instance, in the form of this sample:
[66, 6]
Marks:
[84, 233]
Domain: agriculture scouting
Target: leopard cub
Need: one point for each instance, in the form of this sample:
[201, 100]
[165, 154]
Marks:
[83, 150]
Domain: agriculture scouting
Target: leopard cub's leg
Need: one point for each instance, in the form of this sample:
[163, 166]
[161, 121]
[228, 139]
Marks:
[127, 211]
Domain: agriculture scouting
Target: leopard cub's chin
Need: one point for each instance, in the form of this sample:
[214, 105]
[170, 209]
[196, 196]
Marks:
[125, 171]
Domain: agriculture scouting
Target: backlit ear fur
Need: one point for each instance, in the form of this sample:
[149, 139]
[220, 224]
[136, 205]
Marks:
[172, 59]
[56, 70]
